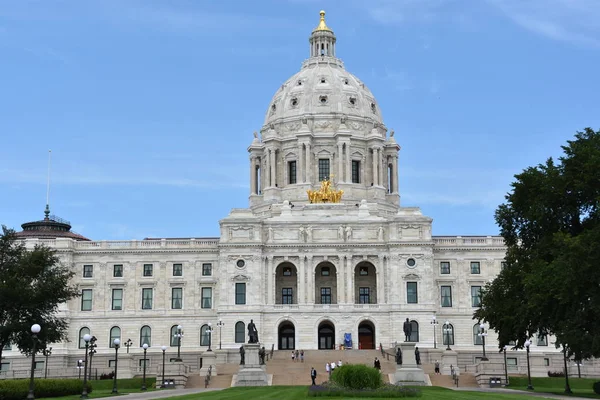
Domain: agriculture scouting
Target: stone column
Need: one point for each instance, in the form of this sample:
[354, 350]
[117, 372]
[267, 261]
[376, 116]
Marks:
[380, 280]
[300, 297]
[374, 178]
[348, 164]
[395, 178]
[341, 281]
[340, 163]
[350, 281]
[307, 164]
[310, 280]
[382, 168]
[253, 176]
[268, 168]
[300, 170]
[270, 285]
[273, 168]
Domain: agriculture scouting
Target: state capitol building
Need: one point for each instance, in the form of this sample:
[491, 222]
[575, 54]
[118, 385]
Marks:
[324, 251]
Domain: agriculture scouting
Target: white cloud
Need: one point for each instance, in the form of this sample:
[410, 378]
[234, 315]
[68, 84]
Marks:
[574, 21]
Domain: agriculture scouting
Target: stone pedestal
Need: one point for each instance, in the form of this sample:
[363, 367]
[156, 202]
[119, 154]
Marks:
[252, 373]
[449, 361]
[409, 373]
[209, 359]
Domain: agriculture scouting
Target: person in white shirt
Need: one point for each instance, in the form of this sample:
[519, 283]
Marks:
[340, 363]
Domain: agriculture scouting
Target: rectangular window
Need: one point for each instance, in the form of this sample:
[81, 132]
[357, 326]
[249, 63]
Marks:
[240, 293]
[511, 363]
[291, 172]
[5, 366]
[177, 270]
[147, 269]
[86, 300]
[325, 295]
[363, 271]
[206, 297]
[475, 296]
[117, 299]
[286, 295]
[364, 296]
[88, 271]
[542, 340]
[176, 298]
[111, 363]
[144, 361]
[39, 365]
[355, 171]
[147, 299]
[546, 362]
[446, 292]
[206, 269]
[411, 293]
[445, 267]
[502, 265]
[118, 270]
[475, 267]
[323, 169]
[324, 271]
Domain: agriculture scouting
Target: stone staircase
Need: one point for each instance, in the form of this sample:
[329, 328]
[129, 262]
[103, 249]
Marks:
[464, 380]
[288, 372]
[223, 378]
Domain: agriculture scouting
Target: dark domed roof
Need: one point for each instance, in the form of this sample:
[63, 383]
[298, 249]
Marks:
[51, 227]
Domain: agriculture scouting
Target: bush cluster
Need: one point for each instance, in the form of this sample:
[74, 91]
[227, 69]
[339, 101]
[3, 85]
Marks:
[17, 389]
[357, 377]
[596, 387]
[556, 374]
[384, 391]
[110, 375]
[129, 383]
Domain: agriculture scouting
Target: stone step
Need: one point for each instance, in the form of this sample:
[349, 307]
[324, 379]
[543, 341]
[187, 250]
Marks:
[464, 380]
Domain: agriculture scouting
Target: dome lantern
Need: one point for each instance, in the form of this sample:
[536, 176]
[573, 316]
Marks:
[322, 39]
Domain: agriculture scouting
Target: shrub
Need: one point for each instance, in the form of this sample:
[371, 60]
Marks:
[17, 389]
[129, 383]
[596, 387]
[357, 377]
[110, 375]
[556, 374]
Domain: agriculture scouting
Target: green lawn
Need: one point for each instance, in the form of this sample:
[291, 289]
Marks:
[300, 392]
[580, 387]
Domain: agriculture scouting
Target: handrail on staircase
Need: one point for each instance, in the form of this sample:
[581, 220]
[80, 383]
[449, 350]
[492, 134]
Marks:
[385, 353]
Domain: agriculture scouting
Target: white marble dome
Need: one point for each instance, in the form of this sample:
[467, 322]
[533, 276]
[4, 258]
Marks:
[323, 86]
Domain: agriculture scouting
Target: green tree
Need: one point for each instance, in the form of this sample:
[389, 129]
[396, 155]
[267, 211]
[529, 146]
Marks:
[551, 225]
[32, 285]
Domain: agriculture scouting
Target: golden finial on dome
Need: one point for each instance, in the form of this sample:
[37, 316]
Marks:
[322, 25]
[326, 194]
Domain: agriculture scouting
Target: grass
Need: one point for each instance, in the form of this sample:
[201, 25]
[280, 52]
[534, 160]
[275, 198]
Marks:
[301, 392]
[581, 387]
[103, 388]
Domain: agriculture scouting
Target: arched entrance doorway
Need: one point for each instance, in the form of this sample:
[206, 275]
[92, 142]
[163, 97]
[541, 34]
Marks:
[366, 335]
[287, 336]
[326, 336]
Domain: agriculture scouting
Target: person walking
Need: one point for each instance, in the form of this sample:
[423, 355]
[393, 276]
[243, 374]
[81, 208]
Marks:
[332, 366]
[328, 370]
[340, 363]
[293, 355]
[297, 355]
[377, 364]
[301, 355]
[313, 375]
[437, 367]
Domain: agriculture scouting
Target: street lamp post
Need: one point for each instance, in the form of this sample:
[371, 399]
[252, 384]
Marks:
[145, 347]
[434, 323]
[447, 330]
[220, 324]
[527, 344]
[505, 367]
[86, 339]
[209, 336]
[92, 351]
[35, 329]
[79, 366]
[483, 334]
[47, 353]
[567, 386]
[179, 335]
[117, 344]
[128, 344]
[164, 349]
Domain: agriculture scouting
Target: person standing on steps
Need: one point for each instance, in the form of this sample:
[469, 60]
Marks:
[301, 355]
[293, 355]
[377, 364]
[417, 356]
[328, 370]
[313, 375]
[297, 355]
[437, 367]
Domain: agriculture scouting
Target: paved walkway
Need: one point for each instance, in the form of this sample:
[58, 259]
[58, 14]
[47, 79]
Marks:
[161, 394]
[525, 392]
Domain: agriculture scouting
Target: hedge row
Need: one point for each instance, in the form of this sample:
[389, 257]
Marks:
[131, 383]
[17, 389]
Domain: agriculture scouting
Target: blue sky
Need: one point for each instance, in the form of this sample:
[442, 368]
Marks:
[149, 106]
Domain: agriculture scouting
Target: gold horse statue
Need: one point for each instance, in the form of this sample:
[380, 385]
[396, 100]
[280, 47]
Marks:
[326, 194]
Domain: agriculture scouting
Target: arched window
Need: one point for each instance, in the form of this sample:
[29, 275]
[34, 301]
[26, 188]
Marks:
[476, 335]
[240, 330]
[204, 335]
[145, 336]
[115, 333]
[448, 334]
[174, 339]
[414, 334]
[82, 332]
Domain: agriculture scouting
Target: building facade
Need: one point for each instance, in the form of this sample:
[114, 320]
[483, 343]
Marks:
[323, 250]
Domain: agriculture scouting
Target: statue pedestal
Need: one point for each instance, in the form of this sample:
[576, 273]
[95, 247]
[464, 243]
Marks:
[409, 373]
[251, 373]
[209, 359]
[450, 363]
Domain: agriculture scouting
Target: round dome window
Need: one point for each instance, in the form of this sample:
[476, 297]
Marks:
[240, 263]
[411, 263]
